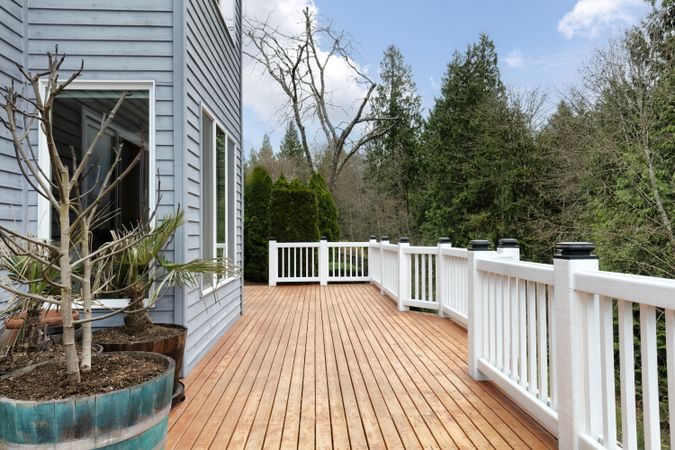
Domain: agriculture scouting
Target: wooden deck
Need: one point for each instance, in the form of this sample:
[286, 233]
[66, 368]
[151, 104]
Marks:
[339, 367]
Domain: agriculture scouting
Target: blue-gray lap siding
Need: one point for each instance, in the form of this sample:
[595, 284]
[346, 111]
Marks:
[184, 47]
[117, 41]
[12, 187]
[212, 80]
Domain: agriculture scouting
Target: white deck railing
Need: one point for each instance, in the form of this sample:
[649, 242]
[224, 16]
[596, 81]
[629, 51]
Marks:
[545, 334]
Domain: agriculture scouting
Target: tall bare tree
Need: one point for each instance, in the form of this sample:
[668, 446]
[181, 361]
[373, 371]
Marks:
[299, 66]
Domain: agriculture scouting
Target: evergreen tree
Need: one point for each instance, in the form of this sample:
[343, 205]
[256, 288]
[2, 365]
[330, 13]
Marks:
[294, 212]
[291, 147]
[448, 193]
[257, 203]
[392, 158]
[328, 215]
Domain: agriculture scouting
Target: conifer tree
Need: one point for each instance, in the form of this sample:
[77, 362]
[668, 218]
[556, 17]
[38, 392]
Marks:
[291, 147]
[257, 204]
[392, 157]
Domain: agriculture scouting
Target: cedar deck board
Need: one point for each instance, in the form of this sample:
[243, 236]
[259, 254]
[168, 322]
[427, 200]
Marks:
[338, 366]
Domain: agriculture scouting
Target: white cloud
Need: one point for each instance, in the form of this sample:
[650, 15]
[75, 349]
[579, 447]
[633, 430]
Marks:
[515, 59]
[590, 17]
[263, 96]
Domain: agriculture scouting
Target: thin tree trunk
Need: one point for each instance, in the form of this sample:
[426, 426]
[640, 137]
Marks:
[72, 366]
[85, 363]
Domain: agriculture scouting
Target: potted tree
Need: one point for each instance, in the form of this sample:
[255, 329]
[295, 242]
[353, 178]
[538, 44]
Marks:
[139, 273]
[75, 400]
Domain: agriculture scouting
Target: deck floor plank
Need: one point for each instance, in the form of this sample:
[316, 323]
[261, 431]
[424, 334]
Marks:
[341, 367]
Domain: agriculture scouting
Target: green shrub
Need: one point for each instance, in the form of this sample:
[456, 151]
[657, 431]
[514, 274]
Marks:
[328, 215]
[257, 202]
[295, 216]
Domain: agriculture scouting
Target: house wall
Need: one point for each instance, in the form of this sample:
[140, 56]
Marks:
[185, 47]
[213, 81]
[12, 188]
[117, 40]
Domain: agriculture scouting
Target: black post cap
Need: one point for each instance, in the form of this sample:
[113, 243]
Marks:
[273, 238]
[384, 238]
[478, 245]
[373, 237]
[324, 238]
[444, 240]
[575, 250]
[404, 240]
[508, 243]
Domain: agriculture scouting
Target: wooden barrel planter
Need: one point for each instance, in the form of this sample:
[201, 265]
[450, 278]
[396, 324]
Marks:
[52, 320]
[135, 417]
[173, 347]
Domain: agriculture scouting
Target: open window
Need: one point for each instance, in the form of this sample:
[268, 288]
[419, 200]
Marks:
[77, 117]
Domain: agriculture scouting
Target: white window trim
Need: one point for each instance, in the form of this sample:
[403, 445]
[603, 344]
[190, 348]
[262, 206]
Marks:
[208, 289]
[44, 210]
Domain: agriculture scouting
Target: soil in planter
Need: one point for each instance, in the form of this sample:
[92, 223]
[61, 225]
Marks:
[110, 371]
[19, 359]
[121, 336]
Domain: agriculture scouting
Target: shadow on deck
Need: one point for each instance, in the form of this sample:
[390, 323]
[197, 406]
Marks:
[338, 367]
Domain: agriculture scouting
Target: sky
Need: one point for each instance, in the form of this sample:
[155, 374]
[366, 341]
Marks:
[542, 44]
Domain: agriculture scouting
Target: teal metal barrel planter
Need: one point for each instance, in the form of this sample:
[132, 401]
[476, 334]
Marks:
[131, 418]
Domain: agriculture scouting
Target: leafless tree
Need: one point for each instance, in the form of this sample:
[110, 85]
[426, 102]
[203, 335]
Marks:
[299, 66]
[72, 255]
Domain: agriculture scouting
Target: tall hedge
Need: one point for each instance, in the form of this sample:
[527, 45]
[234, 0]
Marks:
[257, 202]
[295, 216]
[328, 215]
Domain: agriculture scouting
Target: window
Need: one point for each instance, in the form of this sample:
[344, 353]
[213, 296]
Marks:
[217, 190]
[77, 116]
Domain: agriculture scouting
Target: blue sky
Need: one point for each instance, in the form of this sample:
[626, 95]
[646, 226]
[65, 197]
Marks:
[541, 43]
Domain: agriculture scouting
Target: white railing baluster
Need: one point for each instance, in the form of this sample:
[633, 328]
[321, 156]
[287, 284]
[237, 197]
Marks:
[422, 277]
[543, 343]
[506, 326]
[499, 322]
[670, 364]
[531, 339]
[650, 377]
[552, 348]
[627, 378]
[522, 339]
[593, 393]
[515, 327]
[607, 371]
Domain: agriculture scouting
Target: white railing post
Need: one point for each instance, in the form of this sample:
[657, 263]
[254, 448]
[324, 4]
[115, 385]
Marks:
[371, 257]
[323, 261]
[478, 249]
[509, 247]
[273, 269]
[383, 241]
[570, 257]
[403, 274]
[441, 274]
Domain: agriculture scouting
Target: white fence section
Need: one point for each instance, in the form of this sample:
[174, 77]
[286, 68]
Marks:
[347, 261]
[604, 297]
[547, 335]
[323, 262]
